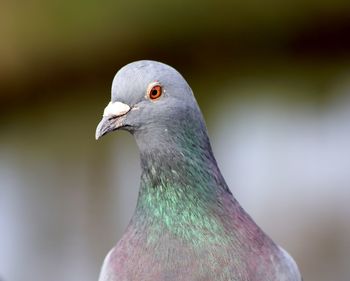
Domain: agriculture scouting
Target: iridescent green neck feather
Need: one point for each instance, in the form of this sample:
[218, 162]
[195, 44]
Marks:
[182, 189]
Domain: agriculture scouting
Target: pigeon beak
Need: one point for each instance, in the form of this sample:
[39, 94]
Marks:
[113, 117]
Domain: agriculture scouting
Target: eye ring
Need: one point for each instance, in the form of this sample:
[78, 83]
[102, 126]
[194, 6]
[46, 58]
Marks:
[155, 91]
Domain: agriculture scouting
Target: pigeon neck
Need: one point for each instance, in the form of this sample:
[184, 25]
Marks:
[182, 191]
[179, 161]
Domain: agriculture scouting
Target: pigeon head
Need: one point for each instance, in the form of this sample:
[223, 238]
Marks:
[152, 101]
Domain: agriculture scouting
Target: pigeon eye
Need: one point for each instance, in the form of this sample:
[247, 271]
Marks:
[155, 91]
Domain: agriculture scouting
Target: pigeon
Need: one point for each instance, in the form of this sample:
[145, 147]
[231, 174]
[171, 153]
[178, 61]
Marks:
[187, 225]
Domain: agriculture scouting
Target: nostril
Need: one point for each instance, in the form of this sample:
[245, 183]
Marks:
[116, 109]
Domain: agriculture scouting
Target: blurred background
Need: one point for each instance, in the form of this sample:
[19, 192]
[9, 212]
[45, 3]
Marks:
[272, 79]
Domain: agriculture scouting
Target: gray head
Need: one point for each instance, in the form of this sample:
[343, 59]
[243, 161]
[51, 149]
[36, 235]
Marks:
[152, 101]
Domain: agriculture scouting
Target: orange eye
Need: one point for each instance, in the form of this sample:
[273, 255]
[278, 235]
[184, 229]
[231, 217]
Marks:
[155, 92]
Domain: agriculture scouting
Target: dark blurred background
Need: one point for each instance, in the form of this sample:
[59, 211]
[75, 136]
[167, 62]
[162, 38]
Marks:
[272, 79]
